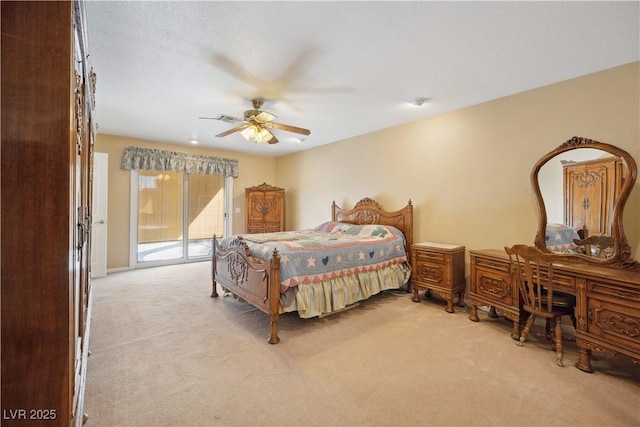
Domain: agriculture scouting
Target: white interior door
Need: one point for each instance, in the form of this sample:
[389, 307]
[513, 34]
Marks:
[99, 226]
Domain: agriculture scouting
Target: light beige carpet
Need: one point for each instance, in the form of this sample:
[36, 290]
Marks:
[166, 354]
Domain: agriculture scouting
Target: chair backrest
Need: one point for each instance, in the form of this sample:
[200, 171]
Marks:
[534, 275]
[603, 243]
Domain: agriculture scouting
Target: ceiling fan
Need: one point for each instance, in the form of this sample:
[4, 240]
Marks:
[256, 124]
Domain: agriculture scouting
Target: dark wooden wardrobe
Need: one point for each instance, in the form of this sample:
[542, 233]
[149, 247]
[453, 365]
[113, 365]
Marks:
[47, 151]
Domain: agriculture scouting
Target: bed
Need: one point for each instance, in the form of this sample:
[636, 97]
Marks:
[359, 253]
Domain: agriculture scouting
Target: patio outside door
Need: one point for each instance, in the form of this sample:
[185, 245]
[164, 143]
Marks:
[176, 216]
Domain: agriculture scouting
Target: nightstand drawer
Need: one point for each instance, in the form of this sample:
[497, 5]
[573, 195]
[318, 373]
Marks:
[425, 256]
[429, 273]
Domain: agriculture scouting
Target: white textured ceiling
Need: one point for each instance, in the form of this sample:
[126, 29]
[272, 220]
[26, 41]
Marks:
[340, 69]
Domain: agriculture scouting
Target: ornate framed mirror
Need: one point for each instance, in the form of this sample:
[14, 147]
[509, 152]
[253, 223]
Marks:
[581, 189]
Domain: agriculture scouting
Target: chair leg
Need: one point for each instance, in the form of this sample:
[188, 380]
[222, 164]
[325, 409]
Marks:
[548, 330]
[526, 330]
[557, 328]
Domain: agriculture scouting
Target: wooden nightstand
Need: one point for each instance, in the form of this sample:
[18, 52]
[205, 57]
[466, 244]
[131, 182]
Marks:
[438, 267]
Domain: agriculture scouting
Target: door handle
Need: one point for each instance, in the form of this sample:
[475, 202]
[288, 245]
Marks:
[100, 222]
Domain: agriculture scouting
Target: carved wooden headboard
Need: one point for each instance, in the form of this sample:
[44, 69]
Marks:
[368, 211]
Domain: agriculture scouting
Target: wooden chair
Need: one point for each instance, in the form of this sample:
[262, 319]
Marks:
[603, 243]
[534, 276]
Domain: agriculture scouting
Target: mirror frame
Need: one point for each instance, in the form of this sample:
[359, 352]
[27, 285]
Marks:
[622, 251]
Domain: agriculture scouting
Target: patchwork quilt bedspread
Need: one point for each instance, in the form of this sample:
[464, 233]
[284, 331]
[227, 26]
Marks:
[329, 251]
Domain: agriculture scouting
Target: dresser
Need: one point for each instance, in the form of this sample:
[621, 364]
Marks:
[265, 208]
[47, 158]
[607, 301]
[438, 268]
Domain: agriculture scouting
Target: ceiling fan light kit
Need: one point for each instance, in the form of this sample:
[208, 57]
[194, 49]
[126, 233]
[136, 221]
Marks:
[258, 135]
[257, 124]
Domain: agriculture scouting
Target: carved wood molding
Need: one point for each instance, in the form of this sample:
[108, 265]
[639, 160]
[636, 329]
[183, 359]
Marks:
[79, 111]
[582, 343]
[431, 273]
[238, 269]
[617, 323]
[494, 286]
[263, 205]
[367, 217]
[92, 78]
[577, 141]
[367, 202]
[239, 243]
[264, 187]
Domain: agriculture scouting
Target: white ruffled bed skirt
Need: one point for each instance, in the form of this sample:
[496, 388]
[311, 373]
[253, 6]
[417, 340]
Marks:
[331, 295]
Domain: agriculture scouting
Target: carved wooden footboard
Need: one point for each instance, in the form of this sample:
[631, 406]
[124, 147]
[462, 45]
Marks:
[253, 280]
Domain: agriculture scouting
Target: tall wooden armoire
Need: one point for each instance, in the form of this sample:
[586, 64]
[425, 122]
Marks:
[590, 190]
[265, 208]
[47, 150]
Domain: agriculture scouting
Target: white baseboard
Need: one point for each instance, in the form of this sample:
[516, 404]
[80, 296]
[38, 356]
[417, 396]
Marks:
[118, 270]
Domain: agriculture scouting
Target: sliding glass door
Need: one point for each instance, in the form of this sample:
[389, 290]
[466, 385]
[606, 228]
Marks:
[205, 211]
[174, 215]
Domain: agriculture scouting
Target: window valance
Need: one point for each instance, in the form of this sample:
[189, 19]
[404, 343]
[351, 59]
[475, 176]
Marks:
[163, 160]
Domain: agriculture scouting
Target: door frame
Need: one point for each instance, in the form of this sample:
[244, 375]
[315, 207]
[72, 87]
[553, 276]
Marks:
[99, 207]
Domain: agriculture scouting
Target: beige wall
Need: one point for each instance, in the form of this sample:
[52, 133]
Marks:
[254, 170]
[467, 172]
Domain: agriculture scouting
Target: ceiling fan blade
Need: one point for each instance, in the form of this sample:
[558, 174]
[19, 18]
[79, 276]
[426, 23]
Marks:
[232, 130]
[289, 128]
[224, 118]
[273, 139]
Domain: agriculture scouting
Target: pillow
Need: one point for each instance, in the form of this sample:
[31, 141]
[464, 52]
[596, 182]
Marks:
[559, 238]
[329, 226]
[355, 230]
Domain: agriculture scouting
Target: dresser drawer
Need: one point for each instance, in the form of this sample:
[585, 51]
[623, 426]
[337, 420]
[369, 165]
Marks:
[494, 285]
[564, 283]
[601, 289]
[491, 264]
[272, 226]
[257, 227]
[561, 282]
[614, 322]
